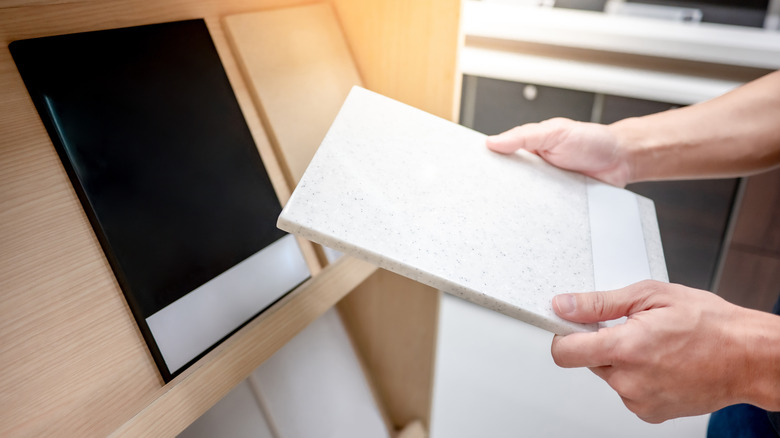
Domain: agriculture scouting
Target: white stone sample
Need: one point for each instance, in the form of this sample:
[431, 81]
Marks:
[423, 197]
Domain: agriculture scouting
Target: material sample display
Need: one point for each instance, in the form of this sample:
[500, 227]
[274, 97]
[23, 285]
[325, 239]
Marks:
[424, 197]
[150, 133]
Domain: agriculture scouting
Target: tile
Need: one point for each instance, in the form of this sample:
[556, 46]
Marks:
[423, 197]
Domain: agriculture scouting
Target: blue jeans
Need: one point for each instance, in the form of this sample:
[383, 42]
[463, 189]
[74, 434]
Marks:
[741, 421]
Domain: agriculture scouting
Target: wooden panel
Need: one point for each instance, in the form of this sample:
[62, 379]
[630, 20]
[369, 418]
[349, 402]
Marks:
[66, 330]
[393, 322]
[73, 360]
[300, 71]
[74, 363]
[18, 3]
[750, 279]
[406, 49]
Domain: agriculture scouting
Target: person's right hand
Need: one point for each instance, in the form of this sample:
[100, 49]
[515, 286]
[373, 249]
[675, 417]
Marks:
[680, 352]
[588, 148]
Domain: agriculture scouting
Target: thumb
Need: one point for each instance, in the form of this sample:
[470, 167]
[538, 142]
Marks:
[519, 137]
[600, 306]
[533, 137]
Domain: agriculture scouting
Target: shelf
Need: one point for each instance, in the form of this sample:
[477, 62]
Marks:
[189, 395]
[74, 360]
[591, 77]
[702, 42]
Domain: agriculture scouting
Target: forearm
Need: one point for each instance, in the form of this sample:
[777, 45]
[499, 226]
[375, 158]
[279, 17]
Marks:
[758, 380]
[732, 135]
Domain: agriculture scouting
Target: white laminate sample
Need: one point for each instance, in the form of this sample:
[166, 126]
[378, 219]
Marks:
[619, 253]
[424, 197]
[189, 325]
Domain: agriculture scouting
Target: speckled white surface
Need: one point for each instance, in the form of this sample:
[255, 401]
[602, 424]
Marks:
[655, 251]
[423, 197]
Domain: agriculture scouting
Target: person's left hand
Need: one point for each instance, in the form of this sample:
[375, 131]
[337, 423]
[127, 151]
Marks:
[679, 353]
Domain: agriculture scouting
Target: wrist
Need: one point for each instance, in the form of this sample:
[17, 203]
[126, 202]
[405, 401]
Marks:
[632, 148]
[658, 146]
[758, 381]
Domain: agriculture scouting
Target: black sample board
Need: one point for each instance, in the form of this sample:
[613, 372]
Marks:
[155, 144]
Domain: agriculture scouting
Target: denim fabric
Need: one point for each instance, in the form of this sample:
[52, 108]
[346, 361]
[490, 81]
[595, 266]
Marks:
[774, 420]
[740, 421]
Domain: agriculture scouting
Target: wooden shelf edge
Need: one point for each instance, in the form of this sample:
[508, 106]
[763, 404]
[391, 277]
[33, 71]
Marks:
[192, 393]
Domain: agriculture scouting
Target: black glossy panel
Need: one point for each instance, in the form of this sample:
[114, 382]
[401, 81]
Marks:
[150, 132]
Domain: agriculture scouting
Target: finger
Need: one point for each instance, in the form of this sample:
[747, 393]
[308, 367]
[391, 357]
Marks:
[606, 374]
[527, 137]
[591, 350]
[603, 306]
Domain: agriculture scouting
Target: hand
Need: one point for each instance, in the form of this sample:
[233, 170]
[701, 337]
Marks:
[681, 352]
[588, 148]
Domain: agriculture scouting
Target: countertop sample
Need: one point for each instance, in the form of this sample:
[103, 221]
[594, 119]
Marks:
[423, 197]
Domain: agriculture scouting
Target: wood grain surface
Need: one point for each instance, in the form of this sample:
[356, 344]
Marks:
[299, 69]
[407, 50]
[300, 80]
[73, 360]
[393, 322]
[196, 390]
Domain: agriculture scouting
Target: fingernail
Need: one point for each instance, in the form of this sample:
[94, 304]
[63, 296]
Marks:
[566, 303]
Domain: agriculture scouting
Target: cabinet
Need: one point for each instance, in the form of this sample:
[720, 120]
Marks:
[751, 269]
[74, 361]
[595, 67]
